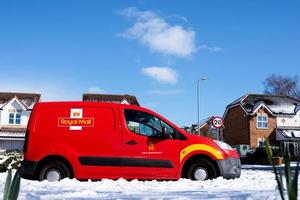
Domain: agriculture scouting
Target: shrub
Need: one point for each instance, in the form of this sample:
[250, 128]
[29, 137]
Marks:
[10, 160]
[259, 156]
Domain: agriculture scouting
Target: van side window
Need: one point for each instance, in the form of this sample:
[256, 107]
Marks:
[143, 123]
[148, 125]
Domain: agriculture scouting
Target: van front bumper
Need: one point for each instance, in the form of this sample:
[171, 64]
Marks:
[27, 169]
[230, 167]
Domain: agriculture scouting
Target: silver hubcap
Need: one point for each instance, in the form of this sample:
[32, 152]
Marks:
[200, 174]
[53, 175]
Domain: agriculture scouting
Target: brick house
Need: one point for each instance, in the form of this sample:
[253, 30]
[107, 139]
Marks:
[15, 109]
[124, 99]
[254, 116]
[206, 129]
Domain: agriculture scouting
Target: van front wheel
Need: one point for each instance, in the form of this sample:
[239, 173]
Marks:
[201, 170]
[54, 171]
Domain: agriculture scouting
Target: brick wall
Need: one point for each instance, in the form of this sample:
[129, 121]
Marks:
[236, 129]
[256, 133]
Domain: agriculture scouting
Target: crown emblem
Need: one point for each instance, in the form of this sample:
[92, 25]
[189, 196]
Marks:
[76, 114]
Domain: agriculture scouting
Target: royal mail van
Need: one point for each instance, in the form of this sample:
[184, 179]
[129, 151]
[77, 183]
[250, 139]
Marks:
[92, 140]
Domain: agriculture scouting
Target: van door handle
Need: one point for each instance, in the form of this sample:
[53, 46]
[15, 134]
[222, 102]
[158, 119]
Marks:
[131, 142]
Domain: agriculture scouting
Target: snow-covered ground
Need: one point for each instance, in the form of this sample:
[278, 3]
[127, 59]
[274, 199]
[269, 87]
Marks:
[253, 184]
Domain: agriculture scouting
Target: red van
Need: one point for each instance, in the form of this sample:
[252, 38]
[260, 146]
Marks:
[92, 140]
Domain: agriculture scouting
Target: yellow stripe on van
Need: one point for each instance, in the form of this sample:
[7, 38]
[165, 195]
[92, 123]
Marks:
[200, 147]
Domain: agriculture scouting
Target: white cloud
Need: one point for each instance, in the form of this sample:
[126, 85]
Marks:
[153, 31]
[96, 90]
[161, 74]
[209, 48]
[180, 17]
[164, 92]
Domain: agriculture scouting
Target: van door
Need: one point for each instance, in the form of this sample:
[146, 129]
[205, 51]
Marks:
[102, 144]
[145, 153]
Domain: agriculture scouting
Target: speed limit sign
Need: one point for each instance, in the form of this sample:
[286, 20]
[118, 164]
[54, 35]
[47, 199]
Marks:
[217, 122]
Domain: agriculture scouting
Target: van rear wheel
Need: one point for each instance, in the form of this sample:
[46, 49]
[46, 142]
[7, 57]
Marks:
[54, 171]
[201, 170]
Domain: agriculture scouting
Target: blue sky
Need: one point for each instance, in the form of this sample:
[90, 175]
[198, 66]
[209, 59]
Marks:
[155, 50]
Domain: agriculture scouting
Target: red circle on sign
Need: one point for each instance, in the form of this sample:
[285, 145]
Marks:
[217, 122]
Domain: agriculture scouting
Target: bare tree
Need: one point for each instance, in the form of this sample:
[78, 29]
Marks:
[282, 85]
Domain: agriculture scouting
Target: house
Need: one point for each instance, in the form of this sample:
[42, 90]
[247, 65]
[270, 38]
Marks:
[206, 129]
[15, 109]
[123, 99]
[254, 116]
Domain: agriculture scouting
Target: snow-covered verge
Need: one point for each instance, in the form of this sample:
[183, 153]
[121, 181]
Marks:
[253, 184]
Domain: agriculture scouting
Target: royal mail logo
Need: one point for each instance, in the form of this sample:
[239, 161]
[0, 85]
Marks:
[76, 120]
[84, 122]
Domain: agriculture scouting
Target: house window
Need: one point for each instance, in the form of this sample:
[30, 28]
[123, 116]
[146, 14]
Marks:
[11, 118]
[14, 118]
[18, 118]
[262, 121]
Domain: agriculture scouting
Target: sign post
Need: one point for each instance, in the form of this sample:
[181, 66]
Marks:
[217, 122]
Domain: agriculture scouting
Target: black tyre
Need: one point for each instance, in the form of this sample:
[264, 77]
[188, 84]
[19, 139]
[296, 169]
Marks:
[201, 170]
[54, 171]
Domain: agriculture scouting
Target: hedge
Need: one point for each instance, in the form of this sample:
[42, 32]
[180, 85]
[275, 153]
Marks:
[10, 160]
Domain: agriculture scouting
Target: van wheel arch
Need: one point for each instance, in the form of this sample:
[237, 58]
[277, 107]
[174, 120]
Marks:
[190, 161]
[52, 158]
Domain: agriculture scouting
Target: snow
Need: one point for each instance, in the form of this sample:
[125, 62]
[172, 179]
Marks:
[3, 158]
[289, 133]
[253, 184]
[282, 108]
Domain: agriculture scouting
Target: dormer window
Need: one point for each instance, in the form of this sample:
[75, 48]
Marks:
[262, 121]
[14, 118]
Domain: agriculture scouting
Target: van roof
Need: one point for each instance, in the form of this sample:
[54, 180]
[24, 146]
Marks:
[83, 103]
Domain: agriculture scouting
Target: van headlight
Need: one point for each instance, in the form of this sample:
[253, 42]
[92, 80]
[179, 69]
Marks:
[223, 145]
